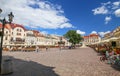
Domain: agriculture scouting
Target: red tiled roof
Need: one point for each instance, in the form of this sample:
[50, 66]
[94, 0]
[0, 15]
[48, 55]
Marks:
[12, 26]
[35, 31]
[86, 37]
[91, 35]
[41, 35]
[7, 26]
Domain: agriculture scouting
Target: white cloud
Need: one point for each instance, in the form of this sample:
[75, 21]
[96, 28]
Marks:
[107, 3]
[103, 33]
[67, 25]
[93, 32]
[100, 10]
[109, 8]
[107, 19]
[116, 3]
[80, 32]
[43, 15]
[117, 13]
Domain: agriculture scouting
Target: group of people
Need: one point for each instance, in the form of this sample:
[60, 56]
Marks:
[112, 57]
[108, 53]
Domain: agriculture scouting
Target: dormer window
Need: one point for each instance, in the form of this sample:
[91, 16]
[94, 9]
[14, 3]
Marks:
[17, 29]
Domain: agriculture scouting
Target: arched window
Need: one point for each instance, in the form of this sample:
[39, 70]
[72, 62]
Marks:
[17, 29]
[6, 32]
[6, 38]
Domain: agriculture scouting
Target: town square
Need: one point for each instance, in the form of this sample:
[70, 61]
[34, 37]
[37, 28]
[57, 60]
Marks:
[59, 38]
[75, 62]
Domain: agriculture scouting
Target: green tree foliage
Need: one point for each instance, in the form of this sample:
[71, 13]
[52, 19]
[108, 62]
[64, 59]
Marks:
[73, 37]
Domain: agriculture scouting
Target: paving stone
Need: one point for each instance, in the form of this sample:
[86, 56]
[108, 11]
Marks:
[73, 62]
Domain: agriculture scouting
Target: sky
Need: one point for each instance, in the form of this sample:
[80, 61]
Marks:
[60, 16]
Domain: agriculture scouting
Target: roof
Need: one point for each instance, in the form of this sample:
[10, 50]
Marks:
[7, 26]
[86, 37]
[37, 33]
[91, 35]
[12, 26]
[94, 35]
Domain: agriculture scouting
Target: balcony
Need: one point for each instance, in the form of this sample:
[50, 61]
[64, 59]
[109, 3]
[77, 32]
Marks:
[31, 35]
[17, 40]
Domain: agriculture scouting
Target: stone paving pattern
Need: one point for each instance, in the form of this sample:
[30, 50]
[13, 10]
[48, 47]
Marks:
[74, 62]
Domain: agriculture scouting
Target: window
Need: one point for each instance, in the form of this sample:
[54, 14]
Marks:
[20, 30]
[6, 32]
[17, 29]
[5, 38]
[19, 34]
[12, 39]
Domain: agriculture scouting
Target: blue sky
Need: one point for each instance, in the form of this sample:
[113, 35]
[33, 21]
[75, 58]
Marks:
[82, 17]
[59, 16]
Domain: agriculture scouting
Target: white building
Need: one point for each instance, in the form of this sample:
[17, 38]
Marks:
[30, 38]
[91, 39]
[17, 35]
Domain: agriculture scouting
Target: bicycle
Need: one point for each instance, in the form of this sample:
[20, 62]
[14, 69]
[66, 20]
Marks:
[103, 58]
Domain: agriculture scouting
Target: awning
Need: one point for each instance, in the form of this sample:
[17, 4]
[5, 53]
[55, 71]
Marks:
[113, 38]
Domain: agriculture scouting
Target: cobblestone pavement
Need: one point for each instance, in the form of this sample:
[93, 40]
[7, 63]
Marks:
[74, 62]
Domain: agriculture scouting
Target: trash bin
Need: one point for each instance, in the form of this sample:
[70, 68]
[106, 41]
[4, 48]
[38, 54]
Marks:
[6, 66]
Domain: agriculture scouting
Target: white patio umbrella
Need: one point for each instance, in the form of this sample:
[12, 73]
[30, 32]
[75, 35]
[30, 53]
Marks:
[107, 40]
[113, 38]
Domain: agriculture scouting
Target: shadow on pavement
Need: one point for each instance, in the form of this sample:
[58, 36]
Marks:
[30, 68]
[116, 67]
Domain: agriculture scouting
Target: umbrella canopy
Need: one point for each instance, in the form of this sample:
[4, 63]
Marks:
[113, 38]
[107, 40]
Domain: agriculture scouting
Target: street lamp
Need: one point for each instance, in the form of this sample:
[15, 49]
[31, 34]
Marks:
[10, 17]
[3, 21]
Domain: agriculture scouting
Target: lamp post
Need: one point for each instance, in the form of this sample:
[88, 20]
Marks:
[3, 21]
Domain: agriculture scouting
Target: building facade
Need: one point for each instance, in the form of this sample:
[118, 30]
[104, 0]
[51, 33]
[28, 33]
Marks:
[17, 35]
[91, 39]
[113, 37]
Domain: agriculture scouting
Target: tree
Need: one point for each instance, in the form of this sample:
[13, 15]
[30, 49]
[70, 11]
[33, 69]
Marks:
[73, 37]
